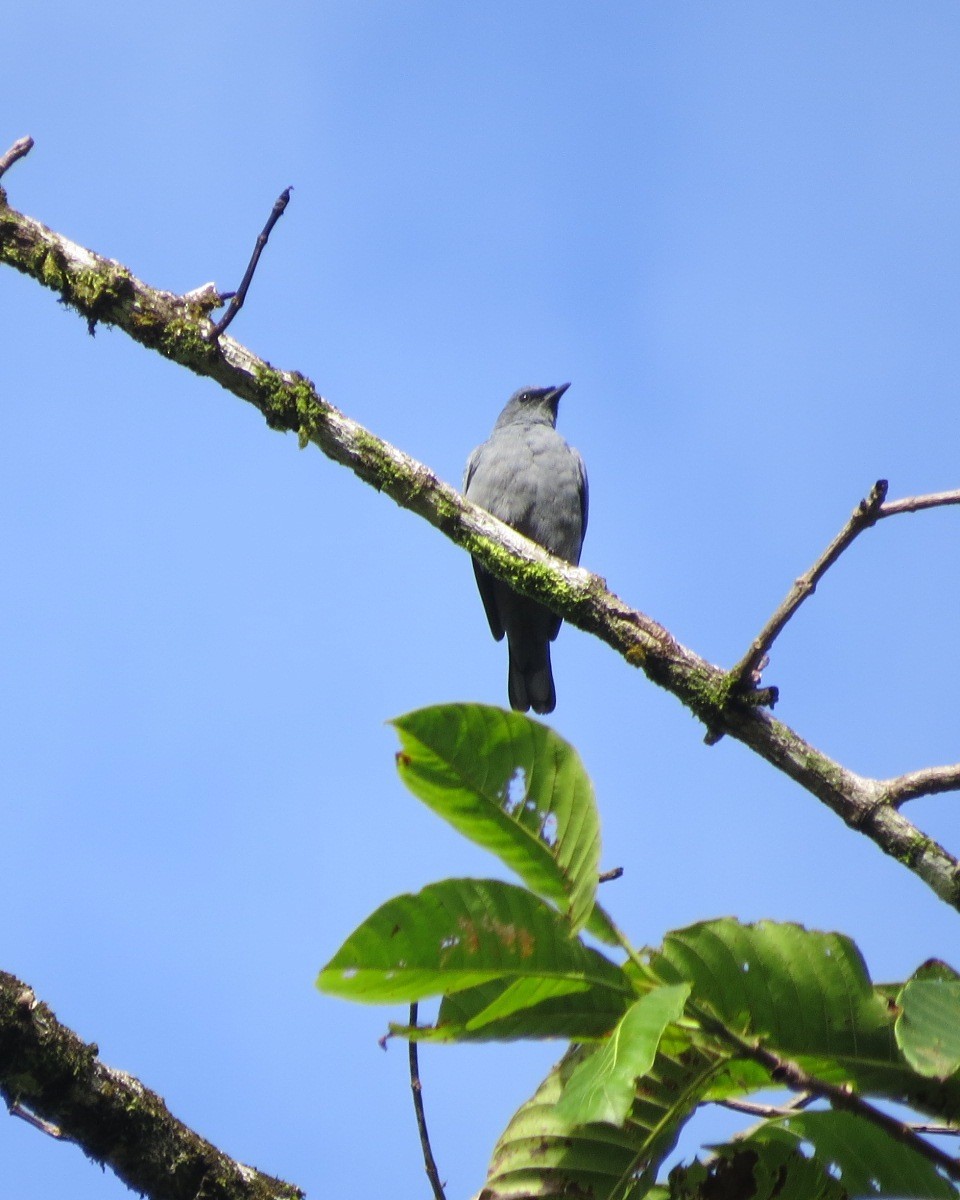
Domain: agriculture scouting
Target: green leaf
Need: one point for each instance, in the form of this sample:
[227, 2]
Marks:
[808, 995]
[806, 992]
[856, 1152]
[603, 1087]
[457, 934]
[928, 1026]
[543, 1154]
[527, 1008]
[516, 788]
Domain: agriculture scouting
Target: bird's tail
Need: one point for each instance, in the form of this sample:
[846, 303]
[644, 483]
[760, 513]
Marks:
[530, 681]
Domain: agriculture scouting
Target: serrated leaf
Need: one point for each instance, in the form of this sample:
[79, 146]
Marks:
[928, 1026]
[516, 788]
[603, 1086]
[457, 934]
[857, 1153]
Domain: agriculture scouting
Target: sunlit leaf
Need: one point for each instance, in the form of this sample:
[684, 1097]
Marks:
[457, 934]
[928, 1026]
[602, 1088]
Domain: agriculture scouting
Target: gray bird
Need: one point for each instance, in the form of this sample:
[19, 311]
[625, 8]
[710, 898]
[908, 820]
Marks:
[527, 475]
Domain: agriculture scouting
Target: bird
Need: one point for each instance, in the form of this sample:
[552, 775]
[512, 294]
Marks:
[529, 477]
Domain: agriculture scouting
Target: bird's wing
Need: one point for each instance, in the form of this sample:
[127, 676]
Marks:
[487, 587]
[584, 499]
[470, 468]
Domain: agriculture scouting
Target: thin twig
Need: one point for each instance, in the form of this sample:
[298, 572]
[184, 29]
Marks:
[911, 504]
[929, 781]
[782, 1112]
[610, 876]
[742, 677]
[770, 1112]
[429, 1162]
[241, 293]
[16, 1109]
[19, 148]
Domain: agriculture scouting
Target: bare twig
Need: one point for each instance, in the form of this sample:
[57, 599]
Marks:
[911, 504]
[103, 290]
[46, 1071]
[19, 148]
[926, 782]
[429, 1162]
[745, 675]
[770, 1112]
[742, 676]
[241, 293]
[610, 876]
[16, 1109]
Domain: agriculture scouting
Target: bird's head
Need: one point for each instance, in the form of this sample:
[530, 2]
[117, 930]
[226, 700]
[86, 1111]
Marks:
[537, 405]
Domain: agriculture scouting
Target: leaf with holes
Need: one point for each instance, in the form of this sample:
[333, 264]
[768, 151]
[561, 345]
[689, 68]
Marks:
[514, 787]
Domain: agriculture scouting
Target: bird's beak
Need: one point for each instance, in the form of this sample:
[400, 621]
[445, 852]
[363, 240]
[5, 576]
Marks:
[554, 397]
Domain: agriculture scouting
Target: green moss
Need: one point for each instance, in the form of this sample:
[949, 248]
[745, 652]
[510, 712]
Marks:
[180, 338]
[51, 269]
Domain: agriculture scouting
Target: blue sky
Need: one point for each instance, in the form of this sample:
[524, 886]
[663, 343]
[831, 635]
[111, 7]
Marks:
[733, 227]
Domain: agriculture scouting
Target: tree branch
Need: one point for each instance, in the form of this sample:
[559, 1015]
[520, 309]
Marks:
[929, 781]
[911, 504]
[19, 148]
[869, 511]
[50, 1074]
[240, 294]
[841, 1096]
[177, 327]
[863, 516]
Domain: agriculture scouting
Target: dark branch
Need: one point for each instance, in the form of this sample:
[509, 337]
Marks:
[46, 1071]
[241, 293]
[790, 1074]
[429, 1162]
[19, 148]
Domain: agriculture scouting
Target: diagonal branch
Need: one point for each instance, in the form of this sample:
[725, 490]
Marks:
[868, 512]
[841, 1096]
[176, 327]
[48, 1072]
[863, 516]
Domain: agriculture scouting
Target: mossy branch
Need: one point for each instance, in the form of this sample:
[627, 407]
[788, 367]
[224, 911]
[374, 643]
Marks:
[179, 327]
[47, 1072]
